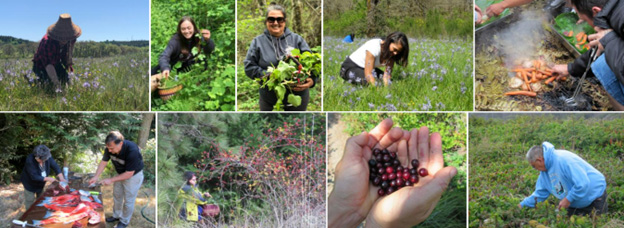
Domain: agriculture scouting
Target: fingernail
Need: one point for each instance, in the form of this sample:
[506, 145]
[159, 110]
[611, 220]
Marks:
[453, 172]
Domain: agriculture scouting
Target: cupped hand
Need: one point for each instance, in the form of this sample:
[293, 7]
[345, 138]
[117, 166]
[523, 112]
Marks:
[411, 205]
[352, 196]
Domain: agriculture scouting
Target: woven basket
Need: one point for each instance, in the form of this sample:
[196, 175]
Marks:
[167, 92]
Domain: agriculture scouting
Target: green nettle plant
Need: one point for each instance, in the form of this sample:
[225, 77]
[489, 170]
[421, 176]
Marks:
[295, 69]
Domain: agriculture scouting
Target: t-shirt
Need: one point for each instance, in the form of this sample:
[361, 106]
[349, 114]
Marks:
[359, 56]
[128, 159]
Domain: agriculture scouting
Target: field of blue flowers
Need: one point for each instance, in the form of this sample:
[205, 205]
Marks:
[97, 84]
[438, 77]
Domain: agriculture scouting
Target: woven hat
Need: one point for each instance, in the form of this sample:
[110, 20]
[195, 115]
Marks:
[64, 29]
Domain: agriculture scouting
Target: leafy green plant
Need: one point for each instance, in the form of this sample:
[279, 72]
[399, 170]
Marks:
[484, 4]
[296, 68]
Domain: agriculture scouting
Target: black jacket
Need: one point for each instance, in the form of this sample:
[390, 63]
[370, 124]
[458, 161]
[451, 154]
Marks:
[611, 17]
[173, 53]
[31, 175]
[262, 52]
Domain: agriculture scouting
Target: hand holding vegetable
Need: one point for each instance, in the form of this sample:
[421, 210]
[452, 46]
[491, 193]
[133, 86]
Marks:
[301, 87]
[206, 34]
[561, 69]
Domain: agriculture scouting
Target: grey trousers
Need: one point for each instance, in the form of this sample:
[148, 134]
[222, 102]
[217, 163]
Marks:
[30, 197]
[124, 196]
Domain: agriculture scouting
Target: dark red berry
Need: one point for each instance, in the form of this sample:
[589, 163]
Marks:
[381, 192]
[376, 151]
[385, 184]
[393, 155]
[389, 169]
[399, 169]
[396, 163]
[384, 176]
[384, 151]
[392, 176]
[393, 183]
[408, 183]
[379, 165]
[379, 157]
[406, 176]
[377, 181]
[399, 182]
[399, 175]
[372, 162]
[386, 158]
[391, 190]
[387, 164]
[415, 163]
[413, 171]
[423, 172]
[414, 179]
[381, 170]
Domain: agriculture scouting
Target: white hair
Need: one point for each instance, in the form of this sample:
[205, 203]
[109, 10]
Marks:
[534, 153]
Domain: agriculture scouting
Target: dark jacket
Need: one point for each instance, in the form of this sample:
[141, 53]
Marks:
[173, 53]
[611, 17]
[262, 52]
[31, 175]
[128, 159]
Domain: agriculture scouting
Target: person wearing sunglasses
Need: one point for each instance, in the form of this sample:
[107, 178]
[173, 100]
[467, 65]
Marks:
[35, 173]
[267, 50]
[179, 49]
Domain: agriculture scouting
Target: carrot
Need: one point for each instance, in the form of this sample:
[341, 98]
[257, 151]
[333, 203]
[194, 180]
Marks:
[525, 93]
[545, 72]
[580, 35]
[522, 69]
[582, 42]
[550, 80]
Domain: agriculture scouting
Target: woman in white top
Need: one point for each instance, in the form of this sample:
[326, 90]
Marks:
[363, 65]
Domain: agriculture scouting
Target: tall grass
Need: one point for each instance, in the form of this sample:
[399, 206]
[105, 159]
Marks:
[97, 84]
[438, 77]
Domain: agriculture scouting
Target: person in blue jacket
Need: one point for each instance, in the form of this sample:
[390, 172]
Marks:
[36, 173]
[580, 187]
[349, 38]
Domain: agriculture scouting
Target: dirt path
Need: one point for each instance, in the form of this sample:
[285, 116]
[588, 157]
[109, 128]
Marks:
[337, 139]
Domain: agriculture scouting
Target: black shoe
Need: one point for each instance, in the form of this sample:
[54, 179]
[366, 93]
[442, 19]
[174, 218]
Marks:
[121, 225]
[112, 219]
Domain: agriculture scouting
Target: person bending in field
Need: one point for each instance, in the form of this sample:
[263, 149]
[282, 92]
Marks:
[267, 50]
[54, 55]
[179, 49]
[607, 18]
[195, 203]
[361, 67]
[580, 187]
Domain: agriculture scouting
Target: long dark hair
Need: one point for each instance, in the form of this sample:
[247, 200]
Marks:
[401, 57]
[188, 175]
[184, 43]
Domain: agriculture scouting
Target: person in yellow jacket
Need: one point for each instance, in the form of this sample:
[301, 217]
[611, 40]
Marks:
[195, 203]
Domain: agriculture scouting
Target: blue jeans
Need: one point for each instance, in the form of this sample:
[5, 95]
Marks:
[608, 80]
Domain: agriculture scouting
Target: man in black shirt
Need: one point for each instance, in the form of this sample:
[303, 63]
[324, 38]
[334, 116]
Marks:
[128, 163]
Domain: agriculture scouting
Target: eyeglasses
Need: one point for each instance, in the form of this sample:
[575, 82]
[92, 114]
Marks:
[273, 19]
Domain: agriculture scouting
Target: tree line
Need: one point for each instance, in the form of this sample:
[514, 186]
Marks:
[12, 48]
